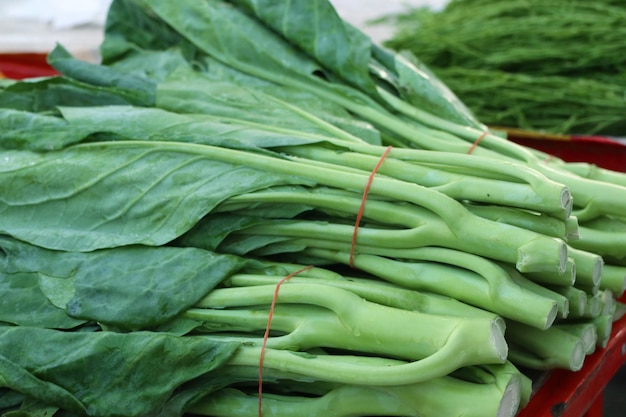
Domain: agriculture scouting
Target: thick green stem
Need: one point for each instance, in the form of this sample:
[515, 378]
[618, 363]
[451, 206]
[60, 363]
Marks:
[541, 254]
[307, 327]
[602, 242]
[470, 134]
[445, 396]
[589, 266]
[594, 172]
[376, 322]
[595, 198]
[561, 301]
[507, 299]
[577, 298]
[553, 346]
[593, 307]
[614, 279]
[572, 229]
[586, 331]
[380, 292]
[548, 197]
[552, 278]
[604, 326]
[537, 222]
[361, 370]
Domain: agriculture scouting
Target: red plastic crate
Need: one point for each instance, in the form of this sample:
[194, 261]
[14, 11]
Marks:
[605, 152]
[24, 65]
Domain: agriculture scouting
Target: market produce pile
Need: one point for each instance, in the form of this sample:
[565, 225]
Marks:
[556, 66]
[234, 162]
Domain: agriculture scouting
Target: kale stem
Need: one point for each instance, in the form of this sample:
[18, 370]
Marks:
[374, 324]
[380, 292]
[502, 297]
[364, 370]
[499, 398]
[547, 196]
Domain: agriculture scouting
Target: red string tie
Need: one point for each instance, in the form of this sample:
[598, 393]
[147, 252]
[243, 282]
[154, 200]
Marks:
[366, 191]
[267, 331]
[475, 144]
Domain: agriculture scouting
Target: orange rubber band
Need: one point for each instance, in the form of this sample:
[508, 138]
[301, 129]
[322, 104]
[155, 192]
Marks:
[267, 332]
[475, 144]
[362, 208]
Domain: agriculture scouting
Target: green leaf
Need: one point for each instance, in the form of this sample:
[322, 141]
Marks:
[211, 232]
[156, 65]
[112, 194]
[129, 287]
[419, 86]
[10, 398]
[93, 373]
[316, 28]
[16, 377]
[192, 92]
[138, 90]
[58, 290]
[44, 95]
[143, 287]
[33, 408]
[231, 36]
[129, 29]
[31, 131]
[240, 43]
[138, 123]
[24, 304]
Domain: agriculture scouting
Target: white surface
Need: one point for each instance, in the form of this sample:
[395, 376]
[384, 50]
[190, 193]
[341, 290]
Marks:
[37, 25]
[57, 14]
[359, 12]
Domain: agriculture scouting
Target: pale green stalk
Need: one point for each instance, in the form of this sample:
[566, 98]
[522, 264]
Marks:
[380, 292]
[619, 310]
[586, 331]
[376, 323]
[604, 326]
[589, 266]
[603, 242]
[445, 396]
[359, 370]
[487, 292]
[594, 172]
[593, 307]
[572, 229]
[432, 232]
[552, 347]
[305, 327]
[545, 196]
[577, 298]
[586, 266]
[537, 222]
[567, 278]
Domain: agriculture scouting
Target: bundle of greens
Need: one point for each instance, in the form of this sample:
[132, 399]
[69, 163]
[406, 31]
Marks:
[152, 207]
[551, 66]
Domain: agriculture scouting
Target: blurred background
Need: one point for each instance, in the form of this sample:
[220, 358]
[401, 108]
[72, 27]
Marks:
[36, 25]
